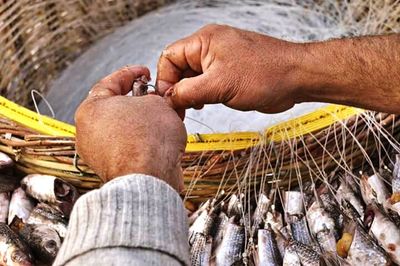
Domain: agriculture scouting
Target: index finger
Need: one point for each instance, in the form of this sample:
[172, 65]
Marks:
[119, 82]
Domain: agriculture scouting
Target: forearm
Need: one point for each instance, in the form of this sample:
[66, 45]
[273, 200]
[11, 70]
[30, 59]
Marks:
[362, 72]
[137, 213]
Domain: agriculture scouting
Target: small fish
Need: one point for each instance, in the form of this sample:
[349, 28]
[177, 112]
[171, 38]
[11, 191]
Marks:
[345, 193]
[4, 205]
[234, 206]
[13, 251]
[204, 223]
[395, 197]
[385, 231]
[217, 232]
[20, 205]
[192, 218]
[299, 229]
[43, 240]
[44, 214]
[200, 251]
[263, 205]
[300, 254]
[274, 219]
[373, 189]
[364, 251]
[268, 251]
[5, 161]
[8, 183]
[294, 203]
[231, 249]
[322, 226]
[52, 190]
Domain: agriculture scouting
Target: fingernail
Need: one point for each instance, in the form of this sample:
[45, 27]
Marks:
[170, 92]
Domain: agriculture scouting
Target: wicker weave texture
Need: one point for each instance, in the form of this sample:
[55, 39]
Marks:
[39, 38]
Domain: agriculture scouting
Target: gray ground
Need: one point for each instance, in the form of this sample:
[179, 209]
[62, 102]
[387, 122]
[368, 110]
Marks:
[142, 40]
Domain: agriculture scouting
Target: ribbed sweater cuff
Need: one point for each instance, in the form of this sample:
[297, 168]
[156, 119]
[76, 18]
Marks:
[136, 211]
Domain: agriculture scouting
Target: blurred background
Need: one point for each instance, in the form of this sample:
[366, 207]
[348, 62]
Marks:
[61, 48]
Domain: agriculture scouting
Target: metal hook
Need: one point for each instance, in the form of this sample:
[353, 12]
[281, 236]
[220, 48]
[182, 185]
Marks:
[75, 163]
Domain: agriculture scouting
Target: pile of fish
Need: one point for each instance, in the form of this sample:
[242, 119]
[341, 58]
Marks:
[354, 219]
[34, 214]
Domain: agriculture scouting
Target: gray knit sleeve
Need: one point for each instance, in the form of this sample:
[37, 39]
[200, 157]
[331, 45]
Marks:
[134, 212]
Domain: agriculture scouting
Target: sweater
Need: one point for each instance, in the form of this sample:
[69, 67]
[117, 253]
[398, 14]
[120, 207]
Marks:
[132, 220]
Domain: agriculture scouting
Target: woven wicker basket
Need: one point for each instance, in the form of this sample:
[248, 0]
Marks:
[39, 38]
[343, 145]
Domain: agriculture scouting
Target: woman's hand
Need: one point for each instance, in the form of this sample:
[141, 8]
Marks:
[119, 135]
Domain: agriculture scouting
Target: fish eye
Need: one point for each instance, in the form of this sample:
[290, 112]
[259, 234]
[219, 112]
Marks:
[51, 244]
[17, 256]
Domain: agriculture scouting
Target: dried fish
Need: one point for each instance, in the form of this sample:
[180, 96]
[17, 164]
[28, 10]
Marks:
[4, 204]
[385, 231]
[364, 250]
[13, 250]
[268, 251]
[42, 239]
[5, 161]
[231, 248]
[373, 189]
[200, 251]
[396, 174]
[44, 214]
[322, 227]
[260, 212]
[345, 193]
[52, 190]
[299, 254]
[20, 205]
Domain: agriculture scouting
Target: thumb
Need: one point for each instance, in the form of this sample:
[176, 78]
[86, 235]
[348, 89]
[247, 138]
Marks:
[194, 92]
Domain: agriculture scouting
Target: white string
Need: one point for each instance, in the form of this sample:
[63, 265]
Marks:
[33, 92]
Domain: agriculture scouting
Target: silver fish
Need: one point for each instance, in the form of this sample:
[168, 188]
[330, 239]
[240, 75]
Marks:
[52, 190]
[373, 189]
[44, 214]
[274, 219]
[192, 218]
[294, 203]
[268, 251]
[43, 240]
[396, 175]
[263, 205]
[4, 205]
[299, 229]
[204, 223]
[230, 251]
[385, 231]
[20, 205]
[345, 193]
[13, 251]
[322, 226]
[300, 254]
[5, 161]
[364, 250]
[200, 251]
[218, 230]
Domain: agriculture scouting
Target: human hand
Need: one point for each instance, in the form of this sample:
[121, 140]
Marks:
[118, 135]
[220, 64]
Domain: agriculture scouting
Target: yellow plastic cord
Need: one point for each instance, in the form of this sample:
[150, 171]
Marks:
[314, 121]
